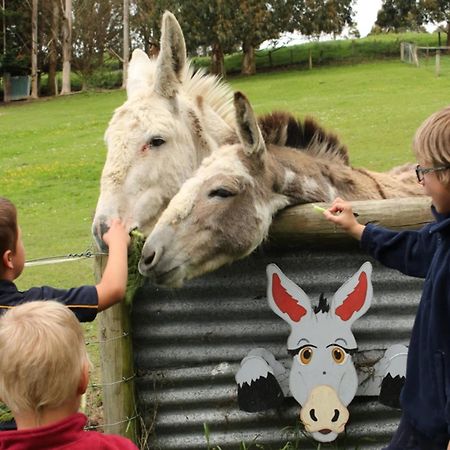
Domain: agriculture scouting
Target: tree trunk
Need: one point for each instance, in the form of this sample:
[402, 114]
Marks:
[448, 35]
[248, 61]
[67, 48]
[34, 49]
[217, 60]
[53, 51]
[126, 41]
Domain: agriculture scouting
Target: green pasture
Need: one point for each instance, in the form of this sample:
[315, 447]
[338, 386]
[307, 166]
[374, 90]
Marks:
[52, 150]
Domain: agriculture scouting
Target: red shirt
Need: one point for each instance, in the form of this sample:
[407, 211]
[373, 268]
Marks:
[68, 434]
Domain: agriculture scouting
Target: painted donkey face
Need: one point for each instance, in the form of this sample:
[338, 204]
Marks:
[323, 378]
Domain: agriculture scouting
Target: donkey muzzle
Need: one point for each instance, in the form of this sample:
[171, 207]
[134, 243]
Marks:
[323, 414]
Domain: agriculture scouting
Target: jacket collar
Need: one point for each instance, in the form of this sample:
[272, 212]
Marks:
[442, 224]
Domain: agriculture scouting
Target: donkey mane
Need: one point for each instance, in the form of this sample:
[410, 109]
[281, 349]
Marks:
[210, 89]
[283, 129]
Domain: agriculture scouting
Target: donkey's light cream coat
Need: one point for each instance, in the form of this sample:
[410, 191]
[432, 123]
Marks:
[171, 119]
[224, 211]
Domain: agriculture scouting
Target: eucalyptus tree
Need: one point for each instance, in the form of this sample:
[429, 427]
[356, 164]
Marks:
[437, 11]
[315, 17]
[257, 21]
[399, 15]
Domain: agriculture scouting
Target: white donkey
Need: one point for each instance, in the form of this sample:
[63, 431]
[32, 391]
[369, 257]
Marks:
[322, 377]
[171, 119]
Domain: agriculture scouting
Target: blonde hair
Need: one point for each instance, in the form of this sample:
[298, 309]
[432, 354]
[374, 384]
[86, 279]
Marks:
[42, 356]
[432, 142]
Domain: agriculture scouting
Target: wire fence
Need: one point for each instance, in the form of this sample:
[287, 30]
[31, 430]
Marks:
[436, 59]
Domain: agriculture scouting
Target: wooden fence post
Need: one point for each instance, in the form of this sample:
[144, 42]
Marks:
[117, 366]
[415, 56]
[438, 62]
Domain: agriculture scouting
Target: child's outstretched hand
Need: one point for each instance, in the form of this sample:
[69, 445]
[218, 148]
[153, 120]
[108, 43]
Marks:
[117, 234]
[341, 213]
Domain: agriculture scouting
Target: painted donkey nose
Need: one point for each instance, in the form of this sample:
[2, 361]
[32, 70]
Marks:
[323, 412]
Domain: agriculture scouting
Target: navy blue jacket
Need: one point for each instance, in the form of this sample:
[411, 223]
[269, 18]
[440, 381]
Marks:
[425, 253]
[83, 301]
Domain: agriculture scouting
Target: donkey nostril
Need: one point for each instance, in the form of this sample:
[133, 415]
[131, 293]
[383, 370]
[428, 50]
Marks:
[312, 414]
[149, 259]
[103, 228]
[336, 416]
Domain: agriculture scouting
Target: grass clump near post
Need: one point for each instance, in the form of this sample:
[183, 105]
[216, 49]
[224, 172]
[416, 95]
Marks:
[5, 413]
[135, 279]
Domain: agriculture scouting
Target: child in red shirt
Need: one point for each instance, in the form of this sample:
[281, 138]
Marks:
[44, 371]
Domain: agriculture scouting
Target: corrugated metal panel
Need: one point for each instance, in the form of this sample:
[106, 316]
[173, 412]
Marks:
[188, 344]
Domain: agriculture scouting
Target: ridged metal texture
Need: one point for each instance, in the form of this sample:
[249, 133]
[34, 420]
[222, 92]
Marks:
[188, 344]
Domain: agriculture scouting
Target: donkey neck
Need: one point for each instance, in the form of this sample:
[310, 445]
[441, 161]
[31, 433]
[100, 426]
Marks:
[305, 178]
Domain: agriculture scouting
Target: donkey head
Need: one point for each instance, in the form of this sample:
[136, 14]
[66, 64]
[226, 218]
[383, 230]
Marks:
[220, 214]
[323, 378]
[157, 138]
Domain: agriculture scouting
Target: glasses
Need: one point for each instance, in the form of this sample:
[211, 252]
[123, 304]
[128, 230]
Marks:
[421, 171]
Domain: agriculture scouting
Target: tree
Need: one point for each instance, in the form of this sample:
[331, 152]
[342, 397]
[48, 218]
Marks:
[126, 41]
[314, 17]
[257, 21]
[437, 11]
[67, 47]
[145, 22]
[399, 15]
[15, 58]
[34, 49]
[54, 13]
[209, 24]
[95, 27]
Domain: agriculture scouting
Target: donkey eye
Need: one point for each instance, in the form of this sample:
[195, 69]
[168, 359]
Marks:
[221, 192]
[305, 355]
[156, 142]
[338, 354]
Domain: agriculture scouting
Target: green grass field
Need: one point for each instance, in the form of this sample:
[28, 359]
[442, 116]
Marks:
[52, 150]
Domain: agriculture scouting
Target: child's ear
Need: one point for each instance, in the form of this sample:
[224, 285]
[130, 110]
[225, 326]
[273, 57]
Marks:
[7, 259]
[84, 379]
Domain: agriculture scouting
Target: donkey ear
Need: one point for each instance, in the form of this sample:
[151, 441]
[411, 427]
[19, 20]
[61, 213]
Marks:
[354, 297]
[171, 60]
[247, 126]
[286, 299]
[140, 72]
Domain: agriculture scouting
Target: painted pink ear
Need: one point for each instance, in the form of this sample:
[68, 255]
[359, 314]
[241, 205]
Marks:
[285, 302]
[355, 300]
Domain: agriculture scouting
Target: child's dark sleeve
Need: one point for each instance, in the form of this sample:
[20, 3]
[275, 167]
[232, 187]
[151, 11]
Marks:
[410, 252]
[83, 301]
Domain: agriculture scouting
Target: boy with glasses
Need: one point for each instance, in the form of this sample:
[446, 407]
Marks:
[425, 398]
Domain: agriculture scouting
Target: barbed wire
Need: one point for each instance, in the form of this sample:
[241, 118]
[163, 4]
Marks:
[127, 419]
[88, 253]
[104, 341]
[113, 383]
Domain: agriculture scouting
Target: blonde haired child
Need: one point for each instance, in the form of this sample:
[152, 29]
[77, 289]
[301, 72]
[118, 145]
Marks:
[44, 371]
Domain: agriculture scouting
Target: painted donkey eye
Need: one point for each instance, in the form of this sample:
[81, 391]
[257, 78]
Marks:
[221, 192]
[305, 355]
[338, 354]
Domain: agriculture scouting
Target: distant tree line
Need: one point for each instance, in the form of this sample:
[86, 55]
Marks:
[49, 36]
[412, 15]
